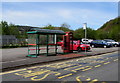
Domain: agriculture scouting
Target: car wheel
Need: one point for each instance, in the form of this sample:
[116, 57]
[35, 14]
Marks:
[92, 46]
[115, 45]
[105, 46]
[79, 49]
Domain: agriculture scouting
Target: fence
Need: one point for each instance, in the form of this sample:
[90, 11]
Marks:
[11, 40]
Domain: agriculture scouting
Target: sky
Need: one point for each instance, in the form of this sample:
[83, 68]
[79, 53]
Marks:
[40, 14]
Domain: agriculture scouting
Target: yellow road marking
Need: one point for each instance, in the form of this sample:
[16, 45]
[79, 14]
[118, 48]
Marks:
[65, 76]
[107, 63]
[61, 65]
[36, 73]
[77, 78]
[102, 61]
[93, 81]
[57, 73]
[82, 67]
[12, 71]
[34, 78]
[72, 67]
[23, 72]
[40, 78]
[97, 65]
[116, 60]
[88, 79]
[87, 69]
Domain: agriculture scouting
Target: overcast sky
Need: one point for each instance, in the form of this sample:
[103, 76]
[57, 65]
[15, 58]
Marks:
[39, 14]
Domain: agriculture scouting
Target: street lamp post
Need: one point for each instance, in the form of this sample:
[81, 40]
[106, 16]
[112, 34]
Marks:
[85, 27]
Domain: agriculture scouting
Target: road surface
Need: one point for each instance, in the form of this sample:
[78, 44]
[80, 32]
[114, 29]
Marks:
[100, 69]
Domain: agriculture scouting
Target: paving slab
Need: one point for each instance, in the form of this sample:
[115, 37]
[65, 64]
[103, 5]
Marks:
[39, 59]
[96, 51]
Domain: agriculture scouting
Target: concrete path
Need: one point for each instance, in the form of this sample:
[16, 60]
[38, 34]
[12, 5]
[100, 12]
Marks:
[20, 53]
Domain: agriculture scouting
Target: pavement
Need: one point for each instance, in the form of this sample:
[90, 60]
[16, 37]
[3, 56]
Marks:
[94, 69]
[16, 57]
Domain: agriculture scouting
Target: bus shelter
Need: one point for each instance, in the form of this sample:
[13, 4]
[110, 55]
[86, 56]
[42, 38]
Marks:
[43, 42]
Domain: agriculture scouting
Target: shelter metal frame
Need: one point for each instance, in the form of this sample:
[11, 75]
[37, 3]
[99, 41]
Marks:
[45, 32]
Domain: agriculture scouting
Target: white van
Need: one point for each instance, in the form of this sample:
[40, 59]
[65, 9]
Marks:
[84, 40]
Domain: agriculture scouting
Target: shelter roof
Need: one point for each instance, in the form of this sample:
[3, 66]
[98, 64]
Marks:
[46, 31]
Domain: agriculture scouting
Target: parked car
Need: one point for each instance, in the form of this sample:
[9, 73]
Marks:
[59, 43]
[84, 40]
[78, 46]
[119, 44]
[100, 43]
[110, 41]
[87, 41]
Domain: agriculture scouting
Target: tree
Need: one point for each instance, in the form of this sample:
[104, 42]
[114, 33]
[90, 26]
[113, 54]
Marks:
[9, 29]
[78, 33]
[91, 33]
[5, 29]
[13, 30]
[65, 25]
[49, 26]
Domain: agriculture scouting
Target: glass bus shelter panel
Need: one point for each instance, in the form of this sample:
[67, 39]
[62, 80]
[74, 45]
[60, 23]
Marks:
[32, 50]
[42, 40]
[31, 44]
[59, 49]
[42, 44]
[32, 39]
[60, 40]
[51, 39]
[51, 45]
[51, 50]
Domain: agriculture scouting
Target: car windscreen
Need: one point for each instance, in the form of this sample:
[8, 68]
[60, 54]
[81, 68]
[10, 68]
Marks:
[81, 43]
[85, 40]
[107, 40]
[112, 40]
[104, 41]
[94, 41]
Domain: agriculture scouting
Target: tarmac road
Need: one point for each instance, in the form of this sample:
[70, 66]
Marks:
[102, 68]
